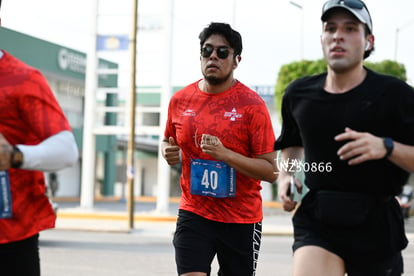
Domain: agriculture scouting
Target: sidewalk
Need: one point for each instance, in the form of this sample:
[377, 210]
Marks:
[112, 215]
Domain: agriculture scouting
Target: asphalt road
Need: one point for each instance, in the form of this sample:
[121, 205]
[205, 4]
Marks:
[89, 253]
[148, 249]
[69, 253]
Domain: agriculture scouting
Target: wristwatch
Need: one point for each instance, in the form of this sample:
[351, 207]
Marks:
[389, 146]
[16, 158]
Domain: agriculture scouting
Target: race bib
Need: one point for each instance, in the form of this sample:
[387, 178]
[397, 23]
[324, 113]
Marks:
[212, 178]
[5, 196]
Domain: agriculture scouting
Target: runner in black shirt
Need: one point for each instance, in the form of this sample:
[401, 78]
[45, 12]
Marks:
[355, 130]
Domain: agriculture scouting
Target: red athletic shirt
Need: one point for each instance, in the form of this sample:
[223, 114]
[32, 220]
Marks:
[240, 119]
[29, 114]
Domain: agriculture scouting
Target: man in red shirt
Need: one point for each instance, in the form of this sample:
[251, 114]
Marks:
[222, 133]
[35, 136]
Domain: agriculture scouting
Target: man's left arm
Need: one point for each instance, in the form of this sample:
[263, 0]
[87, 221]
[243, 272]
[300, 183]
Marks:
[262, 167]
[403, 156]
[363, 146]
[56, 152]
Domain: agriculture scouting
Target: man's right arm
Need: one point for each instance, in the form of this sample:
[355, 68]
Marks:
[170, 151]
[290, 155]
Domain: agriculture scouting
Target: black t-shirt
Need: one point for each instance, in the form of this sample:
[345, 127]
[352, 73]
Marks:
[381, 105]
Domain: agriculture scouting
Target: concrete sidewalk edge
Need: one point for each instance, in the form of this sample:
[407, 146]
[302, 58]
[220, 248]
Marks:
[105, 220]
[118, 222]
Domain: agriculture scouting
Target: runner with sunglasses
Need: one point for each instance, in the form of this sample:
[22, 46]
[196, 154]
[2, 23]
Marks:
[222, 132]
[362, 123]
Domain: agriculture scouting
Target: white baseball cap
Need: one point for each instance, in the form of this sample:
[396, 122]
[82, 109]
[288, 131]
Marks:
[356, 7]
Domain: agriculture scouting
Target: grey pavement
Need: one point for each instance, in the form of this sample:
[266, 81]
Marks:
[148, 244]
[89, 253]
[113, 216]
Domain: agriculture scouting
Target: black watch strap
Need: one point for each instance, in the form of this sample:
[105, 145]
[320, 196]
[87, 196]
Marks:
[389, 146]
[16, 158]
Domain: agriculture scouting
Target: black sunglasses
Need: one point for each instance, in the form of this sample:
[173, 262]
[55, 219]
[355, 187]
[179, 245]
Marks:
[222, 51]
[353, 4]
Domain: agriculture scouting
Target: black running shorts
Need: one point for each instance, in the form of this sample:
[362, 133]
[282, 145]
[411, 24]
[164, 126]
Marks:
[20, 257]
[198, 240]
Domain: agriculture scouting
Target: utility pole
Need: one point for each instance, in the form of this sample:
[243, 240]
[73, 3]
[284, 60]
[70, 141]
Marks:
[132, 98]
[397, 33]
[301, 26]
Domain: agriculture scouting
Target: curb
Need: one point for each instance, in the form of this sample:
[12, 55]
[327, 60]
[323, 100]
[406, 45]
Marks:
[116, 217]
[151, 216]
[75, 213]
[150, 222]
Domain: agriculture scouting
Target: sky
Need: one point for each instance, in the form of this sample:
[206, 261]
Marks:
[273, 32]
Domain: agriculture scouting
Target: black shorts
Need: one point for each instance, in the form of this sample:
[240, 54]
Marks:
[392, 266]
[20, 258]
[372, 248]
[389, 266]
[198, 240]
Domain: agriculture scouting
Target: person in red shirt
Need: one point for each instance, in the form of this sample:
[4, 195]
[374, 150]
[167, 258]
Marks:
[35, 136]
[222, 133]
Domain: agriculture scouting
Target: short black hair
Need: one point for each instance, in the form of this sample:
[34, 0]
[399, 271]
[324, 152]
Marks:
[233, 37]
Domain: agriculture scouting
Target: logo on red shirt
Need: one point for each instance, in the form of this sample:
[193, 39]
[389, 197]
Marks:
[189, 112]
[233, 115]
